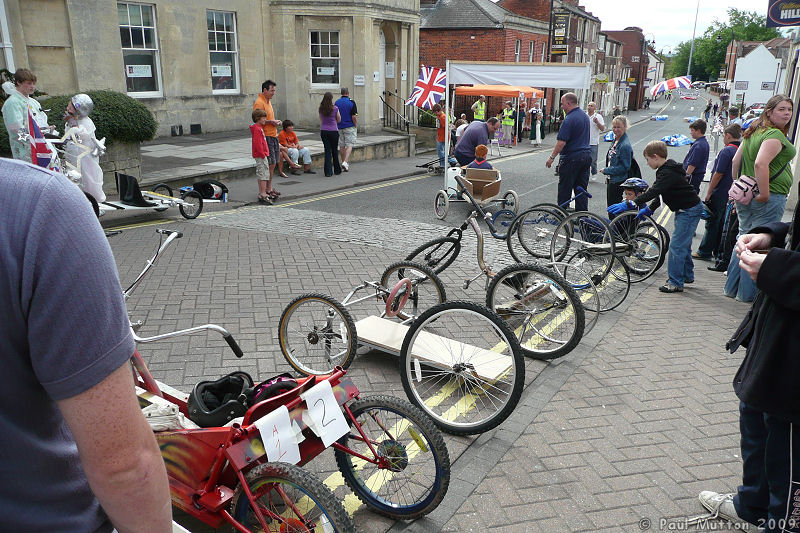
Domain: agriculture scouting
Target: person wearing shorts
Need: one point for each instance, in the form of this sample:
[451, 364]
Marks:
[347, 127]
[261, 153]
[264, 101]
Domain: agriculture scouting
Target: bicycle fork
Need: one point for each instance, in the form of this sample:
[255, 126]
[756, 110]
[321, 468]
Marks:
[485, 270]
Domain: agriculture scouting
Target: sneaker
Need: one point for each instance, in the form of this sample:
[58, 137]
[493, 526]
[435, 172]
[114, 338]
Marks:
[670, 288]
[721, 506]
[345, 166]
[309, 171]
[696, 255]
[593, 178]
[296, 172]
[688, 281]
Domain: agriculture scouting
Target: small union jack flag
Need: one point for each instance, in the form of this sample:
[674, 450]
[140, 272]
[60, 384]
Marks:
[40, 152]
[429, 88]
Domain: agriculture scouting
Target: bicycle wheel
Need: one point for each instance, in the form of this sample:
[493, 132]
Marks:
[501, 223]
[441, 203]
[426, 287]
[162, 188]
[468, 385]
[613, 288]
[585, 233]
[437, 254]
[511, 201]
[534, 229]
[587, 293]
[542, 309]
[638, 243]
[192, 206]
[316, 333]
[291, 499]
[415, 471]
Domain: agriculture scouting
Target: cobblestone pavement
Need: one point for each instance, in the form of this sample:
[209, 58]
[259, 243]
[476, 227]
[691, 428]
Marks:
[629, 426]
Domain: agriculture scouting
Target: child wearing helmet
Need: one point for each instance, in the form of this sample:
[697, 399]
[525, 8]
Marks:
[84, 150]
[633, 187]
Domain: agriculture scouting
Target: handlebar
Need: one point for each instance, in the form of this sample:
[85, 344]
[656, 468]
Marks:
[582, 191]
[234, 346]
[168, 232]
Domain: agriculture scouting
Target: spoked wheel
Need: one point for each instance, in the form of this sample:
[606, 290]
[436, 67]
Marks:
[541, 308]
[162, 188]
[532, 232]
[511, 201]
[462, 365]
[613, 288]
[413, 470]
[587, 235]
[587, 293]
[501, 223]
[638, 243]
[437, 254]
[192, 204]
[290, 499]
[441, 203]
[316, 333]
[426, 287]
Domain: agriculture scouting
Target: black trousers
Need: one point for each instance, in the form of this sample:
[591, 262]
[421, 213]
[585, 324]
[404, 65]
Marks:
[573, 172]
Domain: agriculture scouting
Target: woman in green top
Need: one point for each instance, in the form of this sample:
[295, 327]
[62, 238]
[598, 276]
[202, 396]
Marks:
[764, 154]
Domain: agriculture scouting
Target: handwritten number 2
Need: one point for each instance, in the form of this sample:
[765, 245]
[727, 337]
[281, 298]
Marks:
[324, 423]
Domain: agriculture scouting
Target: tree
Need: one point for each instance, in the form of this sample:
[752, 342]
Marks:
[710, 48]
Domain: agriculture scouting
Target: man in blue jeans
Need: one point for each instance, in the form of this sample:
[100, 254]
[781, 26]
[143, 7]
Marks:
[696, 159]
[717, 195]
[576, 158]
[678, 194]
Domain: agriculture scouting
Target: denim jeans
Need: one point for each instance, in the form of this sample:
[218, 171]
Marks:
[713, 227]
[330, 140]
[440, 151]
[593, 149]
[680, 265]
[770, 446]
[739, 284]
[573, 172]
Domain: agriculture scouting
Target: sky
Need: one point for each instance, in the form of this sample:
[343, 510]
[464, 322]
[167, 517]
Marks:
[667, 21]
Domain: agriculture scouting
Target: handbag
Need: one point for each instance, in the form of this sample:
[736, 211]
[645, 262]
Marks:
[744, 188]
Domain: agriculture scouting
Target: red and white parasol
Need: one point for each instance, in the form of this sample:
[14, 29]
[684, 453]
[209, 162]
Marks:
[681, 82]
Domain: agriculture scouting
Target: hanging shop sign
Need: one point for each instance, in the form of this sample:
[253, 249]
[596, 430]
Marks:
[560, 33]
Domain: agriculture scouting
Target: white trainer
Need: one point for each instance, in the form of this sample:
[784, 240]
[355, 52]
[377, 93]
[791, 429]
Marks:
[345, 166]
[721, 506]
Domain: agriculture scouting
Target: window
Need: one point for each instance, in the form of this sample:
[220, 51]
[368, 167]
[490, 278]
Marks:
[530, 52]
[517, 46]
[224, 51]
[325, 58]
[137, 31]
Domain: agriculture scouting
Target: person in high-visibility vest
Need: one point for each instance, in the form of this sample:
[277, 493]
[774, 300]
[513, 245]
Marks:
[479, 109]
[508, 124]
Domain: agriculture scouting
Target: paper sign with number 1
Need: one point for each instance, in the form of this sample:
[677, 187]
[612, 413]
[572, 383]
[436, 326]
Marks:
[278, 436]
[324, 416]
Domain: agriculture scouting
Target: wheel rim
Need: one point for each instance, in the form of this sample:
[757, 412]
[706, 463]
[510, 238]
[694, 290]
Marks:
[409, 473]
[315, 336]
[535, 231]
[475, 384]
[425, 293]
[540, 313]
[282, 499]
[440, 205]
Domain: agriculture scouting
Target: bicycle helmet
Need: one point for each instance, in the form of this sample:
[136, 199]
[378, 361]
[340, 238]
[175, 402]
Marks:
[82, 104]
[637, 184]
[215, 403]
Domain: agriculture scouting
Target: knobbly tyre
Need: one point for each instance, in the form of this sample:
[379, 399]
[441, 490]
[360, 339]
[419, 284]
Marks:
[477, 380]
[229, 474]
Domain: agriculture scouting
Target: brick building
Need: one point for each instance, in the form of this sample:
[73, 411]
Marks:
[634, 53]
[478, 30]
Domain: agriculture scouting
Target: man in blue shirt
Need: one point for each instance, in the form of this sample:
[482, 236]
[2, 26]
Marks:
[717, 195]
[576, 158]
[696, 160]
[347, 127]
[476, 133]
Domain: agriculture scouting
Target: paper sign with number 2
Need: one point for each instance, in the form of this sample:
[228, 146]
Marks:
[278, 436]
[324, 416]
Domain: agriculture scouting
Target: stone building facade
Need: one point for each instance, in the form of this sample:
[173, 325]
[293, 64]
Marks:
[199, 64]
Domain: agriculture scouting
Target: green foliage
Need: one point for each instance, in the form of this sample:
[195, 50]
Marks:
[709, 49]
[117, 116]
[426, 119]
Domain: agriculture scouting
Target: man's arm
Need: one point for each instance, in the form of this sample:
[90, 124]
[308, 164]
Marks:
[557, 150]
[354, 113]
[713, 185]
[474, 105]
[120, 455]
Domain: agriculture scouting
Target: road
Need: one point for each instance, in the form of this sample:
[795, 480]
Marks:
[240, 267]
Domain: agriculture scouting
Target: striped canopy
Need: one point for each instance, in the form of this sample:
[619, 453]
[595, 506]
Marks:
[672, 83]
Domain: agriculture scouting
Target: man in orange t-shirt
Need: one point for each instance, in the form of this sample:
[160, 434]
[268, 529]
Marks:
[264, 101]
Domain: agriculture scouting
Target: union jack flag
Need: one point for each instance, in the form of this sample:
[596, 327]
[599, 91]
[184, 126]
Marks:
[429, 88]
[40, 152]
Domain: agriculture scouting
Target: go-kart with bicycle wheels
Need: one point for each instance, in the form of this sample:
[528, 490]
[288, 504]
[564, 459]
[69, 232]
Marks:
[231, 445]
